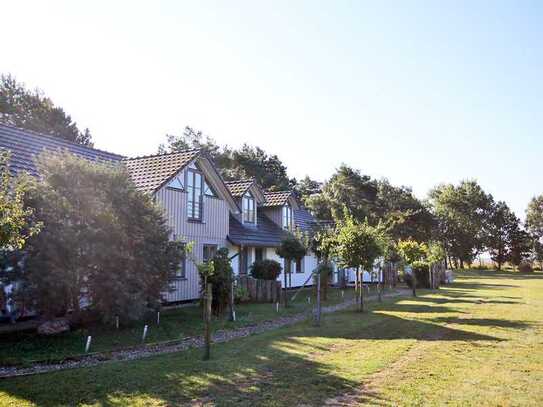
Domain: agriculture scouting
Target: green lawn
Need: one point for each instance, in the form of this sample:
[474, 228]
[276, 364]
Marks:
[175, 324]
[478, 342]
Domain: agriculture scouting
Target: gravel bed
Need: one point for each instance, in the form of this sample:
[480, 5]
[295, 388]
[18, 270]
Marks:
[169, 347]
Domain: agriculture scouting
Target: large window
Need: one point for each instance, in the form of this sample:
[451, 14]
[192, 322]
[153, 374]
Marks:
[249, 209]
[287, 217]
[194, 190]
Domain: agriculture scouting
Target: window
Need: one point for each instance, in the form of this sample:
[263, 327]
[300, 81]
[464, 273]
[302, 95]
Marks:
[249, 210]
[182, 269]
[259, 254]
[194, 190]
[299, 266]
[209, 252]
[287, 217]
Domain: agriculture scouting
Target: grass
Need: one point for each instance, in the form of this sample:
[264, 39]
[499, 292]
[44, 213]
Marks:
[23, 348]
[477, 342]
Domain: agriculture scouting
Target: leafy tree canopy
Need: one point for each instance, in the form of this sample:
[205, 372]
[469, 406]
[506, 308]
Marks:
[32, 110]
[501, 229]
[534, 216]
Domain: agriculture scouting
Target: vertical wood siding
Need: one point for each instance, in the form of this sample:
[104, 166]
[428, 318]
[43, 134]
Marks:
[275, 214]
[212, 230]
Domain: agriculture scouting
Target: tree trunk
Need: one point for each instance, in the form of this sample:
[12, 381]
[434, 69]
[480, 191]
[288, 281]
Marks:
[285, 299]
[414, 282]
[231, 300]
[360, 291]
[356, 284]
[207, 335]
[318, 310]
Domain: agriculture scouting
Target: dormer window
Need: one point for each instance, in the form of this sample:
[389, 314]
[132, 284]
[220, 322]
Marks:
[249, 208]
[287, 217]
[194, 190]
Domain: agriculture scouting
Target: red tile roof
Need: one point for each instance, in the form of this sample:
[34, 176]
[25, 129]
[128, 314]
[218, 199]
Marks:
[149, 173]
[239, 187]
[276, 198]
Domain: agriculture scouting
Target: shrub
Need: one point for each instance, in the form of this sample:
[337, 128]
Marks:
[525, 267]
[324, 271]
[241, 295]
[221, 279]
[422, 275]
[266, 269]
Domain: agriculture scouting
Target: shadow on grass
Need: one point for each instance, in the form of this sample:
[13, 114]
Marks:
[274, 368]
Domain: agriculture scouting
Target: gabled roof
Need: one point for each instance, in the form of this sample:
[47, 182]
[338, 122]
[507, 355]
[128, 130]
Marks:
[279, 198]
[26, 145]
[239, 188]
[264, 234]
[151, 172]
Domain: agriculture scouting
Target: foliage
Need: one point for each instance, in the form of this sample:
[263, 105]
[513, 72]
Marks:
[436, 253]
[291, 248]
[305, 188]
[266, 269]
[500, 231]
[412, 252]
[323, 271]
[241, 295]
[357, 244]
[521, 247]
[16, 221]
[33, 110]
[462, 213]
[347, 188]
[102, 242]
[534, 216]
[245, 162]
[221, 278]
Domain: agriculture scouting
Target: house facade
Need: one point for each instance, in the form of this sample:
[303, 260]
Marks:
[199, 206]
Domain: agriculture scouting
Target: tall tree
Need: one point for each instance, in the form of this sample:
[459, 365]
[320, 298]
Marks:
[534, 216]
[102, 241]
[462, 212]
[305, 188]
[501, 228]
[347, 188]
[32, 110]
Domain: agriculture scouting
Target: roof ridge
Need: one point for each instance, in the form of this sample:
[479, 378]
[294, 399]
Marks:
[163, 154]
[239, 181]
[56, 138]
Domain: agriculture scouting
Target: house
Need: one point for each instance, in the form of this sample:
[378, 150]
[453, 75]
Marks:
[265, 219]
[199, 206]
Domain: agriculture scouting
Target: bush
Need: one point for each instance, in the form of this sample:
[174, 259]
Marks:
[241, 295]
[421, 273]
[525, 267]
[324, 270]
[266, 269]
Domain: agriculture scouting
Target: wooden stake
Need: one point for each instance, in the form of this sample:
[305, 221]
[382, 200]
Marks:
[145, 328]
[117, 322]
[88, 344]
[158, 318]
[207, 334]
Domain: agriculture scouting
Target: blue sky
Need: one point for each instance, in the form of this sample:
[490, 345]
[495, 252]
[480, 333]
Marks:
[420, 92]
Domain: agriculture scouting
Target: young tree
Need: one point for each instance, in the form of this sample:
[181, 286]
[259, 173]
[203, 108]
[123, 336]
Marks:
[206, 271]
[357, 246]
[222, 281]
[102, 241]
[413, 254]
[521, 247]
[16, 220]
[291, 249]
[33, 110]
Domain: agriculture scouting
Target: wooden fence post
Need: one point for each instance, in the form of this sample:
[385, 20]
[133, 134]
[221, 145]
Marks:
[207, 335]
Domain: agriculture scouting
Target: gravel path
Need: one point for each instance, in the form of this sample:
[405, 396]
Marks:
[172, 346]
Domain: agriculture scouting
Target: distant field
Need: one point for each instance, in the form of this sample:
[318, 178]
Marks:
[477, 342]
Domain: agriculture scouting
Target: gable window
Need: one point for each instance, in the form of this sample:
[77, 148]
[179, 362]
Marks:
[287, 217]
[194, 190]
[249, 209]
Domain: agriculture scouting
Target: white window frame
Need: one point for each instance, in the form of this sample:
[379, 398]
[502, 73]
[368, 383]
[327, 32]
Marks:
[248, 205]
[287, 217]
